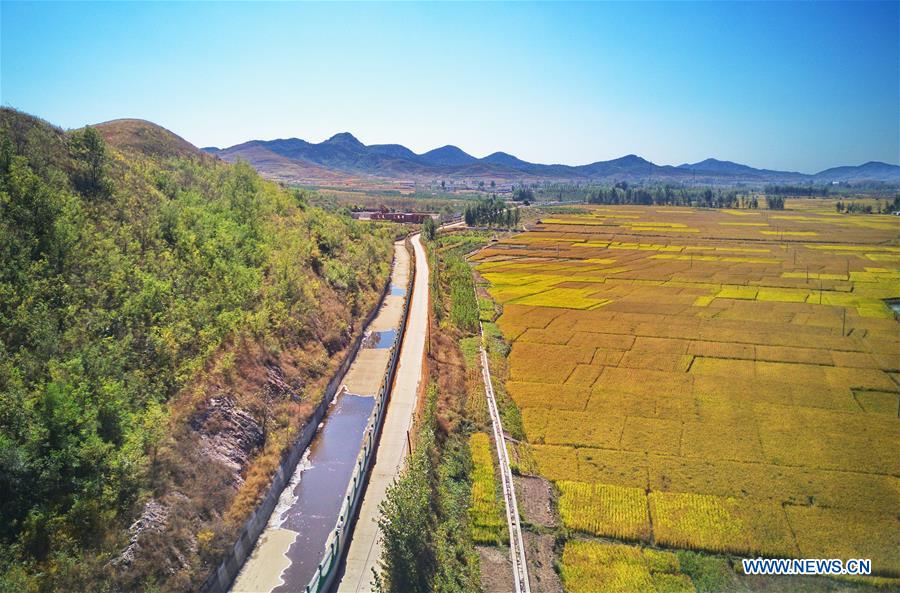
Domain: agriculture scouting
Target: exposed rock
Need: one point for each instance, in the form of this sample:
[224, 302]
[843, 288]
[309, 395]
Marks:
[154, 542]
[277, 387]
[153, 519]
[228, 434]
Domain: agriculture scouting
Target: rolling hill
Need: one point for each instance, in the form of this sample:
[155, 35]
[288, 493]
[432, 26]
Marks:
[167, 323]
[138, 135]
[344, 155]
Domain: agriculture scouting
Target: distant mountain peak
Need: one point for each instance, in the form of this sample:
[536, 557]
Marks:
[504, 159]
[448, 155]
[721, 167]
[449, 149]
[631, 158]
[344, 138]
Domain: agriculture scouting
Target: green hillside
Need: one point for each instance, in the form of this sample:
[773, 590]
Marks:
[167, 322]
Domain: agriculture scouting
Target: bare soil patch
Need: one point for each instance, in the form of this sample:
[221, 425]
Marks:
[539, 554]
[535, 500]
[496, 571]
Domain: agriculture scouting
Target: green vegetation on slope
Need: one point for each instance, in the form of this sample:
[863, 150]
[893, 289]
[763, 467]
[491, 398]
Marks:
[424, 519]
[138, 291]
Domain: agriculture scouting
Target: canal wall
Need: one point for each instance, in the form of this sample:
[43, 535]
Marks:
[339, 540]
[221, 579]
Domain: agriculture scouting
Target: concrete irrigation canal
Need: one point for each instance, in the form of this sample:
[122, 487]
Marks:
[365, 546]
[301, 546]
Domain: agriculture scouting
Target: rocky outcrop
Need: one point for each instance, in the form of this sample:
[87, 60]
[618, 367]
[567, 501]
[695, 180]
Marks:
[277, 386]
[228, 434]
[153, 519]
[151, 540]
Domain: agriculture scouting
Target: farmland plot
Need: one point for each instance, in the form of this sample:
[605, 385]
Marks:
[723, 381]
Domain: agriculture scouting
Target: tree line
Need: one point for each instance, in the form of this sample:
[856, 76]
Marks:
[492, 212]
[797, 190]
[881, 207]
[623, 193]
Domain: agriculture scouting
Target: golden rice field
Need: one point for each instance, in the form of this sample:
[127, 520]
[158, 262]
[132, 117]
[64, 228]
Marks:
[714, 380]
[589, 567]
[486, 510]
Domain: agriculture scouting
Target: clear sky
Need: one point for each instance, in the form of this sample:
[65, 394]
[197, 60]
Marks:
[798, 86]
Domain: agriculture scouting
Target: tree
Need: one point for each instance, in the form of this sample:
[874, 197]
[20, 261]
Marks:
[523, 194]
[407, 521]
[429, 229]
[89, 151]
[775, 202]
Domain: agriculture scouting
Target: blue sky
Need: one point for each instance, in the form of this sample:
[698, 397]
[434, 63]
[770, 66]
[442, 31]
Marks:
[799, 86]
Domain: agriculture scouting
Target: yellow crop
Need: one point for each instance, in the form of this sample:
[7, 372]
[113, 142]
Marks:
[720, 524]
[739, 394]
[604, 509]
[486, 510]
[791, 233]
[592, 567]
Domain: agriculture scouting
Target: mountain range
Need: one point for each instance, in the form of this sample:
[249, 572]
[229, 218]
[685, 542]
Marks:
[343, 154]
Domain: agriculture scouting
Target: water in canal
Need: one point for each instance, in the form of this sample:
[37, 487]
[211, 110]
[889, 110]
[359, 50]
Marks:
[380, 340]
[323, 475]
